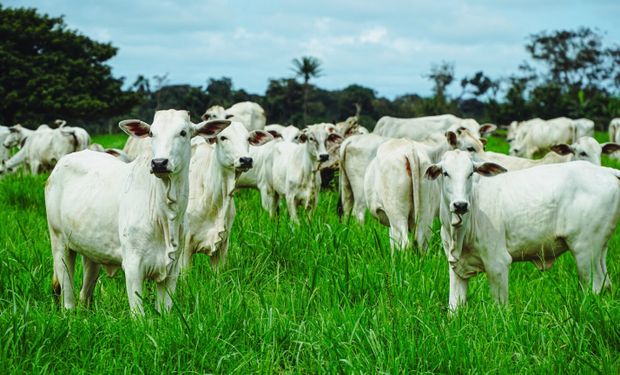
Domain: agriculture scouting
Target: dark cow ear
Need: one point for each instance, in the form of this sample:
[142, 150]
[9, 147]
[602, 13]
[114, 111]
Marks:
[451, 137]
[135, 128]
[275, 133]
[259, 137]
[487, 129]
[562, 149]
[302, 138]
[610, 148]
[210, 128]
[433, 171]
[489, 169]
[334, 138]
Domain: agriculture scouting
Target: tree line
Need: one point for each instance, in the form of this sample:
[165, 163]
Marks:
[50, 71]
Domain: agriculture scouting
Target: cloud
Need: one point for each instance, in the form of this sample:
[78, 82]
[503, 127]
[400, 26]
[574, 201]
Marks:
[387, 45]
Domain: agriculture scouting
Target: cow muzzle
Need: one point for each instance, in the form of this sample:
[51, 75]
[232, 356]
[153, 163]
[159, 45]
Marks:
[159, 167]
[324, 157]
[245, 164]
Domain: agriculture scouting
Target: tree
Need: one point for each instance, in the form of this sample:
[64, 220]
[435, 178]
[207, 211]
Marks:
[49, 71]
[220, 92]
[307, 67]
[442, 75]
[576, 59]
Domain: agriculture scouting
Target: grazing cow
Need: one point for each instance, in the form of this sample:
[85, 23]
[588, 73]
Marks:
[355, 154]
[44, 147]
[538, 136]
[534, 214]
[294, 173]
[249, 114]
[586, 148]
[129, 215]
[614, 130]
[213, 171]
[583, 128]
[5, 133]
[421, 128]
[17, 137]
[397, 195]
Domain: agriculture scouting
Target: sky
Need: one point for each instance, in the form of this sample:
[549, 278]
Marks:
[386, 45]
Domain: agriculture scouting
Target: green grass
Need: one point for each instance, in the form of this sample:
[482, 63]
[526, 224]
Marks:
[321, 297]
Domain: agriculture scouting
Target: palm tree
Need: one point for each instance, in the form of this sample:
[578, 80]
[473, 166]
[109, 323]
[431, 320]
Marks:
[307, 67]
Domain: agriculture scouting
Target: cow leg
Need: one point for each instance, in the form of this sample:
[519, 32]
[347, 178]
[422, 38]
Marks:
[165, 290]
[359, 210]
[291, 206]
[64, 264]
[399, 234]
[590, 265]
[91, 274]
[603, 262]
[497, 276]
[458, 290]
[133, 282]
[34, 167]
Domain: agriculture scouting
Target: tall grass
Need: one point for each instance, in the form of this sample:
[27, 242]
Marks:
[324, 296]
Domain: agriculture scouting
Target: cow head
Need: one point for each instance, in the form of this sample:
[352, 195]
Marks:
[325, 138]
[456, 171]
[15, 137]
[216, 112]
[232, 146]
[586, 148]
[170, 135]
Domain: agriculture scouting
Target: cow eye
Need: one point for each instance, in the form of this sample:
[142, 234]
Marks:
[471, 174]
[222, 138]
[150, 133]
[583, 154]
[471, 149]
[446, 174]
[183, 133]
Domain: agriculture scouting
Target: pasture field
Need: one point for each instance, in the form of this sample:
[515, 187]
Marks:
[323, 297]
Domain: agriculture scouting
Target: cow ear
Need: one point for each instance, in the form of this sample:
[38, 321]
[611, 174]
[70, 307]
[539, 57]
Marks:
[334, 138]
[135, 128]
[489, 169]
[487, 129]
[433, 171]
[610, 147]
[259, 137]
[562, 149]
[275, 133]
[301, 138]
[483, 141]
[15, 128]
[210, 128]
[451, 137]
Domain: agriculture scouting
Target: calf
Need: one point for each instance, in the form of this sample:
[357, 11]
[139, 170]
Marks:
[534, 214]
[214, 170]
[129, 215]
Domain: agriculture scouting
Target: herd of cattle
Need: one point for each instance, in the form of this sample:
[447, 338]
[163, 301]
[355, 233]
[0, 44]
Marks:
[169, 193]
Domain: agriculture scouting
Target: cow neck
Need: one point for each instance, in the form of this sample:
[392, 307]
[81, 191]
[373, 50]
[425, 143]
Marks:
[220, 181]
[306, 158]
[168, 199]
[461, 233]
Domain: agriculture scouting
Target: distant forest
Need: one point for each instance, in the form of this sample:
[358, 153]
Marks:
[51, 71]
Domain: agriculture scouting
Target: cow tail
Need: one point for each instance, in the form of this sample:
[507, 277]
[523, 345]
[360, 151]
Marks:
[346, 193]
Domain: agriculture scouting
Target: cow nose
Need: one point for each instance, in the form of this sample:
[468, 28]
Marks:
[460, 207]
[246, 162]
[324, 157]
[159, 165]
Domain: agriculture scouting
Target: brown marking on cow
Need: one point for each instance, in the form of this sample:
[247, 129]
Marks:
[408, 166]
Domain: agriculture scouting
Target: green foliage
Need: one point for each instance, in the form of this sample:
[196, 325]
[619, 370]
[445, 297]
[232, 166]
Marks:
[49, 71]
[323, 297]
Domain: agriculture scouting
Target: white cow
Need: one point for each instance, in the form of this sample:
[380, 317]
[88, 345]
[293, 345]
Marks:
[17, 137]
[5, 133]
[214, 170]
[287, 133]
[355, 154]
[583, 128]
[515, 125]
[421, 128]
[249, 114]
[534, 214]
[538, 136]
[44, 147]
[395, 192]
[515, 163]
[124, 215]
[294, 174]
[586, 148]
[614, 130]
